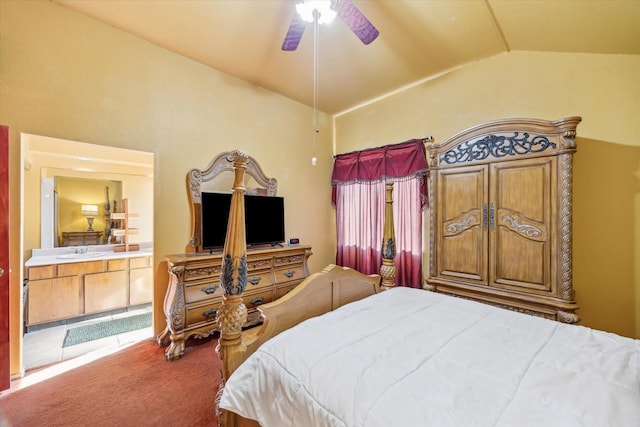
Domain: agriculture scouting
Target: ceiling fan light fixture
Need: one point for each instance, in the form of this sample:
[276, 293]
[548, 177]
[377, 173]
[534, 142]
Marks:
[308, 9]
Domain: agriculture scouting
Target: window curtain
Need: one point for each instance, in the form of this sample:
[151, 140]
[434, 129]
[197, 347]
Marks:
[358, 193]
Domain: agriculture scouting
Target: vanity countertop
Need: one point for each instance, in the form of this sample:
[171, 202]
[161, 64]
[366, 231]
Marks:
[68, 255]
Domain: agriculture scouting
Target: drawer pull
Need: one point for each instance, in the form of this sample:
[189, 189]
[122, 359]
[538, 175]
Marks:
[210, 271]
[209, 289]
[289, 273]
[255, 280]
[257, 301]
[210, 314]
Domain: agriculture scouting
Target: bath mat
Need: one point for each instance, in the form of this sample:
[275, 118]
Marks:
[99, 330]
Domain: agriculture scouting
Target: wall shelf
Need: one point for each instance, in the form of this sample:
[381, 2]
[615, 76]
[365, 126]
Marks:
[124, 230]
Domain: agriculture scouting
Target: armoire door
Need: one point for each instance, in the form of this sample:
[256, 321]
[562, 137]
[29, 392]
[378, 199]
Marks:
[461, 224]
[521, 206]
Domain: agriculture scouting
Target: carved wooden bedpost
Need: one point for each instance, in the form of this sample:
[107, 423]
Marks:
[233, 313]
[387, 269]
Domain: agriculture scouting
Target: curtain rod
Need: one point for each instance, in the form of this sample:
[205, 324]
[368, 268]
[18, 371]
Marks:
[424, 140]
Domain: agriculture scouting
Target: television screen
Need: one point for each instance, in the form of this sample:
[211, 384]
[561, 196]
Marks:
[264, 219]
[214, 216]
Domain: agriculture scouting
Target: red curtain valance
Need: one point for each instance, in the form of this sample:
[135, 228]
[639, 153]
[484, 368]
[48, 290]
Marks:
[404, 160]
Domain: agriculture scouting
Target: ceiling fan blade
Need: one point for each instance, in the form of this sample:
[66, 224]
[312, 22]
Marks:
[296, 29]
[355, 20]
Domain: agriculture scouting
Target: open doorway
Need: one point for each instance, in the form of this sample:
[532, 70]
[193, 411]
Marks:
[73, 195]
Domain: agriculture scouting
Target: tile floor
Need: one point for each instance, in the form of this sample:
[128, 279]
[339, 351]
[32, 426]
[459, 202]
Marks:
[44, 347]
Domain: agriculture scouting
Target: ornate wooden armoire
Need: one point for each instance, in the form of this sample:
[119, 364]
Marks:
[501, 215]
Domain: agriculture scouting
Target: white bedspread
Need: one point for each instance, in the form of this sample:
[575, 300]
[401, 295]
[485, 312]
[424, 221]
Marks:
[408, 357]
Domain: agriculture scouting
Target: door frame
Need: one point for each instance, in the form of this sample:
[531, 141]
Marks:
[5, 338]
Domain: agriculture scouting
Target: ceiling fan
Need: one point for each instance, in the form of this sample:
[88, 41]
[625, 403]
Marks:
[325, 11]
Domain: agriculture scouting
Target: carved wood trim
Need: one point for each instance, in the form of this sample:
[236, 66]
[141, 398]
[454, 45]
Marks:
[505, 139]
[566, 283]
[432, 242]
[388, 269]
[221, 163]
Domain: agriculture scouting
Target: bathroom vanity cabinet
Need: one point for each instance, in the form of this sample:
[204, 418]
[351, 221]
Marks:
[63, 290]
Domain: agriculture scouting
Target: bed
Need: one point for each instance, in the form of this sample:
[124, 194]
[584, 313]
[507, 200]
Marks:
[347, 349]
[408, 357]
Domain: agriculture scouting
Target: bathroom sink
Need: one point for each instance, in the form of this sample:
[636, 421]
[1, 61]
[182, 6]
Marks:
[80, 256]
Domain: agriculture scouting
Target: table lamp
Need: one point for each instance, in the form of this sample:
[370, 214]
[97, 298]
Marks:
[91, 211]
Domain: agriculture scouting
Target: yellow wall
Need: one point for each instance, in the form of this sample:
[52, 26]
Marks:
[67, 76]
[605, 91]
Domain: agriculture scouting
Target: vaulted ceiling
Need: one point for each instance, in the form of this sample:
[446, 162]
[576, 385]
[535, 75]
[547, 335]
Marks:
[419, 39]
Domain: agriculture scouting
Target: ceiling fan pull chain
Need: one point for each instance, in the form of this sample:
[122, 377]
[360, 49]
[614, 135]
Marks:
[316, 130]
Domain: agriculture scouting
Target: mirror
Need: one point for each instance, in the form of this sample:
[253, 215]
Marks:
[212, 179]
[62, 177]
[82, 209]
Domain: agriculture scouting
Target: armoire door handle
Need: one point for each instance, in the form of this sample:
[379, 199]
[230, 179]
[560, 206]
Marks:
[484, 216]
[491, 217]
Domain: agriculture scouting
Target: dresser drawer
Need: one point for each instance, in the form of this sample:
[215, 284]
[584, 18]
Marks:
[78, 268]
[202, 313]
[287, 274]
[43, 272]
[201, 291]
[288, 260]
[258, 280]
[259, 263]
[283, 290]
[116, 264]
[141, 262]
[252, 300]
[199, 272]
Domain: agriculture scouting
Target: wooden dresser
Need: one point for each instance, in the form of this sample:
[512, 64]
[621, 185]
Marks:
[194, 294]
[81, 238]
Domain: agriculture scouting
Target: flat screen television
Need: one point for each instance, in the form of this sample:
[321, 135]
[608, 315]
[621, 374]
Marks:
[264, 219]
